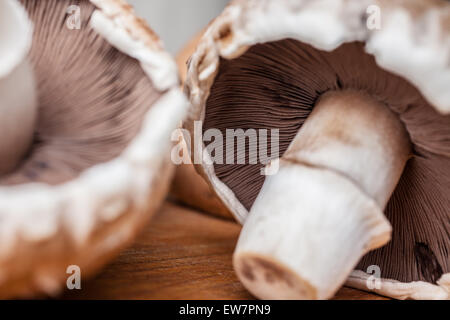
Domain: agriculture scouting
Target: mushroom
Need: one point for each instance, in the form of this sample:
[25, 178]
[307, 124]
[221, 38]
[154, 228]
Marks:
[98, 164]
[364, 152]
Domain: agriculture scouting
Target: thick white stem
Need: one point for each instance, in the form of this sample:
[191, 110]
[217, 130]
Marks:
[323, 210]
[18, 101]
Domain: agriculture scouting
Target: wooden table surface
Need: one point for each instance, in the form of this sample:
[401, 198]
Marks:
[182, 254]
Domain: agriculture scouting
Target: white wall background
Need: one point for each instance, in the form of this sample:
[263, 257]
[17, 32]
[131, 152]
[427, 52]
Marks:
[177, 21]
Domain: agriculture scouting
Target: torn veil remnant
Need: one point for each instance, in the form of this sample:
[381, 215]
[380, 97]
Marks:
[96, 165]
[364, 143]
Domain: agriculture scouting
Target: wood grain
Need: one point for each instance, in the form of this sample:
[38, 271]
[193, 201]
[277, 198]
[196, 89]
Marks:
[182, 254]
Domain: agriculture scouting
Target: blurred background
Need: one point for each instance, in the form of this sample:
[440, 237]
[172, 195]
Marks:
[177, 21]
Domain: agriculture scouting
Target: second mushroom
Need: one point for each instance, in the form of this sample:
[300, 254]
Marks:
[363, 172]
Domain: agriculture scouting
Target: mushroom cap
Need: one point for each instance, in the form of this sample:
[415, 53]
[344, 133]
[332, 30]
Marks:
[413, 44]
[87, 219]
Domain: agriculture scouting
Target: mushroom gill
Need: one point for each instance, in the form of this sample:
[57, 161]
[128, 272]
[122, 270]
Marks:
[92, 97]
[276, 85]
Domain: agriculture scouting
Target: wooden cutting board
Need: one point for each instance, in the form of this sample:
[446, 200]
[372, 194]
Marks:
[182, 254]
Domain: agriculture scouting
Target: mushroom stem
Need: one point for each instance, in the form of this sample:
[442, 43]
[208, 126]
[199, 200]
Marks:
[323, 210]
[18, 102]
